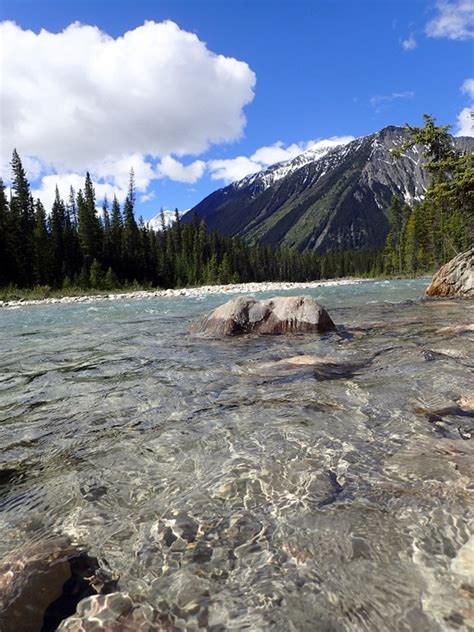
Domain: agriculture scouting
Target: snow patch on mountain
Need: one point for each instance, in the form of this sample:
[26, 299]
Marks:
[264, 179]
[169, 216]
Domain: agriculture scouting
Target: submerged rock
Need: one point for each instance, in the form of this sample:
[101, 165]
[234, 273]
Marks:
[116, 612]
[42, 583]
[280, 315]
[455, 278]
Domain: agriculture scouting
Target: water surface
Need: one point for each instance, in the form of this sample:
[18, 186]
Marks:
[235, 492]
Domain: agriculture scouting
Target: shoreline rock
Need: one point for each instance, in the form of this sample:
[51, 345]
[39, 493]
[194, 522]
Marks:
[279, 315]
[455, 278]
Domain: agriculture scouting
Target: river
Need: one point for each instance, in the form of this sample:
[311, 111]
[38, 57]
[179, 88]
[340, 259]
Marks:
[232, 491]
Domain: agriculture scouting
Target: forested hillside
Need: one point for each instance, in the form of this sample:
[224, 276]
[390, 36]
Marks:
[74, 246]
[337, 200]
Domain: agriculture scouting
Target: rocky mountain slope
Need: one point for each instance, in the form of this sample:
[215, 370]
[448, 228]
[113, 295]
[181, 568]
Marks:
[334, 199]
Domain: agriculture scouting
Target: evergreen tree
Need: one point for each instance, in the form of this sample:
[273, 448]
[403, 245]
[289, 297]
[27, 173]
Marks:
[89, 229]
[5, 252]
[96, 275]
[116, 238]
[444, 222]
[22, 224]
[57, 226]
[42, 248]
[131, 237]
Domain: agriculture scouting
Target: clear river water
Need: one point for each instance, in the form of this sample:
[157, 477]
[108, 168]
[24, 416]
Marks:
[233, 491]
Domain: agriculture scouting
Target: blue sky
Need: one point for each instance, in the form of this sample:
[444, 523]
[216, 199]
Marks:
[189, 121]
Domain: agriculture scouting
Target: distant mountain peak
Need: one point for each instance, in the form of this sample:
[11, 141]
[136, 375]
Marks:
[325, 198]
[155, 222]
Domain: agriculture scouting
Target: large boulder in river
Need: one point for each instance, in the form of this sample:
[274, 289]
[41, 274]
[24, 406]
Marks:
[455, 278]
[280, 315]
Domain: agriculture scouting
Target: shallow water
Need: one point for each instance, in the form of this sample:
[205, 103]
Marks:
[234, 492]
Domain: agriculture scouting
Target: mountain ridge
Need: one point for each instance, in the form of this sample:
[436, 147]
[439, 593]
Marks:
[335, 200]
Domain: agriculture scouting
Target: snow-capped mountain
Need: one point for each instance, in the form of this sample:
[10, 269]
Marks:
[263, 179]
[155, 222]
[336, 197]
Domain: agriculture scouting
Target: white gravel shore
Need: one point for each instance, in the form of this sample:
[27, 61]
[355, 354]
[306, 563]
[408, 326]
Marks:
[204, 290]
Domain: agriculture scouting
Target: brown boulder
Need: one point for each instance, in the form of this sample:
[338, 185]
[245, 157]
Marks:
[42, 582]
[455, 278]
[280, 315]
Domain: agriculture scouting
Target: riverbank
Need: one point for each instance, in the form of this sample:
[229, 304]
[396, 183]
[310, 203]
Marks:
[195, 292]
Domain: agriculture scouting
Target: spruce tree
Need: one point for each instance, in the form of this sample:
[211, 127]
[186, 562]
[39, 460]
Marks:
[43, 263]
[5, 251]
[131, 237]
[22, 223]
[57, 226]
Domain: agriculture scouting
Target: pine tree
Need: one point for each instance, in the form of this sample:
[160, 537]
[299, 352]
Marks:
[131, 237]
[42, 248]
[5, 252]
[89, 228]
[96, 275]
[110, 280]
[22, 224]
[116, 237]
[445, 221]
[57, 226]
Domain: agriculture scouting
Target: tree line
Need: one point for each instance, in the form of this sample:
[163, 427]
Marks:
[77, 246]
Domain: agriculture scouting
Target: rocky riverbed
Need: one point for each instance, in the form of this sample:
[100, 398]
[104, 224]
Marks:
[255, 482]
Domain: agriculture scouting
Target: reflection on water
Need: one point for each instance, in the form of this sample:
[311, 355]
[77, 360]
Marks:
[233, 491]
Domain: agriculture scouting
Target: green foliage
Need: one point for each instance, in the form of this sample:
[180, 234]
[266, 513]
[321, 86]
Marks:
[423, 237]
[96, 275]
[110, 280]
[69, 250]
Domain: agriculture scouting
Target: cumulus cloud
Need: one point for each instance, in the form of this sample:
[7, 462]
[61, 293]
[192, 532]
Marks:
[409, 43]
[110, 177]
[175, 170]
[232, 169]
[466, 116]
[455, 20]
[80, 99]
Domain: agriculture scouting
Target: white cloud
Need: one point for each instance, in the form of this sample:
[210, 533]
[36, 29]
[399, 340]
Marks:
[110, 177]
[380, 100]
[175, 170]
[277, 152]
[47, 189]
[468, 88]
[466, 122]
[455, 20]
[409, 43]
[147, 197]
[80, 99]
[232, 169]
[466, 116]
